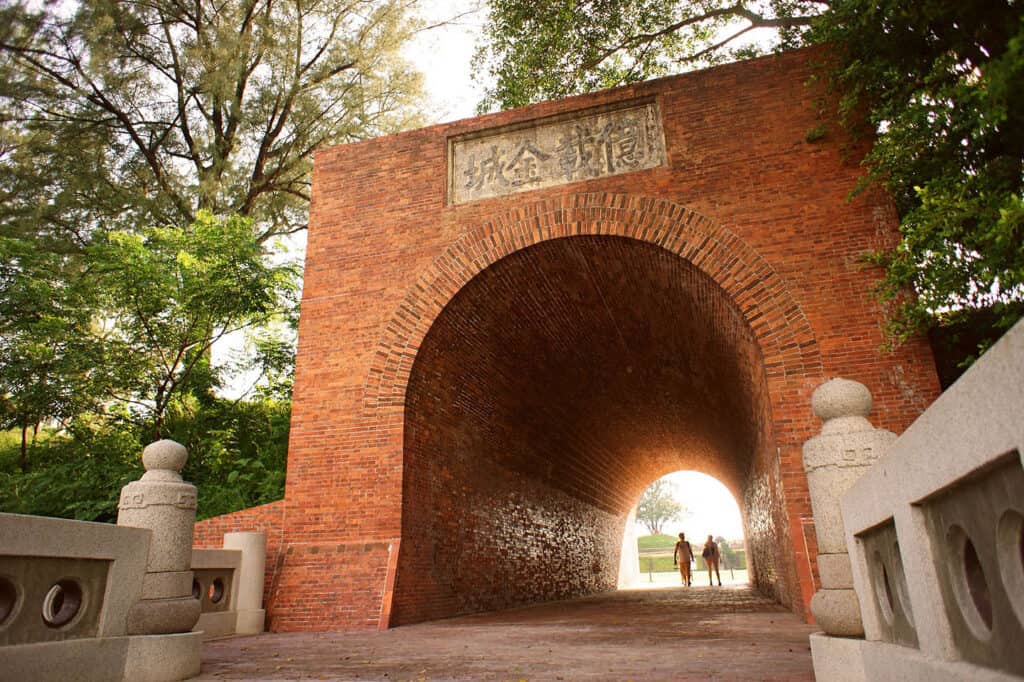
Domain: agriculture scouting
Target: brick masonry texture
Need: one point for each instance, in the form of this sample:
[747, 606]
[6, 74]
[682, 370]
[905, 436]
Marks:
[483, 390]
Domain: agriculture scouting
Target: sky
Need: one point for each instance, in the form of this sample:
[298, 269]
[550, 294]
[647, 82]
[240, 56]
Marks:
[443, 56]
[712, 508]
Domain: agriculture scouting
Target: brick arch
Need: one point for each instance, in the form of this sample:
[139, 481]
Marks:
[782, 331]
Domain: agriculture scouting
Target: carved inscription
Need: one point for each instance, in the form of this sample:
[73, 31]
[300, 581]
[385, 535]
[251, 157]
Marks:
[588, 146]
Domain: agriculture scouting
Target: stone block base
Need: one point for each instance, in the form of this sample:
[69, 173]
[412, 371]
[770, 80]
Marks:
[76, 660]
[250, 622]
[144, 658]
[841, 659]
[163, 658]
[216, 624]
[837, 659]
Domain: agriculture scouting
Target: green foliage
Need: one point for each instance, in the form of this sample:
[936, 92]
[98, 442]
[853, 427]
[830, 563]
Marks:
[129, 323]
[200, 119]
[45, 361]
[237, 453]
[75, 476]
[541, 50]
[132, 355]
[124, 113]
[113, 343]
[730, 557]
[657, 506]
[940, 83]
[167, 295]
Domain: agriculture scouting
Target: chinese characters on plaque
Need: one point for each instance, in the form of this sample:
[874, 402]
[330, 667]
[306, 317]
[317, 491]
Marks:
[589, 146]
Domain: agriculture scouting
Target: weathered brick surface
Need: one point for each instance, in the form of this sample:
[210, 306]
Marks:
[730, 281]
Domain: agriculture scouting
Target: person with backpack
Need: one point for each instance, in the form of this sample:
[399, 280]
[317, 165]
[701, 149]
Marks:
[711, 557]
[684, 554]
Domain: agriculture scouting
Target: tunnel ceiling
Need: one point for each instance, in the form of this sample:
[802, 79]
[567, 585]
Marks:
[594, 364]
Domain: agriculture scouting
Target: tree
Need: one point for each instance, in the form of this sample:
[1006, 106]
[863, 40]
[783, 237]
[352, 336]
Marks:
[936, 85]
[165, 296]
[657, 506]
[940, 83]
[533, 51]
[46, 361]
[199, 118]
[131, 326]
[128, 113]
[729, 558]
[119, 114]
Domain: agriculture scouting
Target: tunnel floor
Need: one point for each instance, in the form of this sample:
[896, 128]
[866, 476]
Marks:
[697, 633]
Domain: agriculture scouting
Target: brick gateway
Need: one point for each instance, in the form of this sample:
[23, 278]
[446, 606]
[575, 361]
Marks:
[512, 324]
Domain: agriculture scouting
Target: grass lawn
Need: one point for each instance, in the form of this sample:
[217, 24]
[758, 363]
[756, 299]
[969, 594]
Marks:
[656, 542]
[661, 579]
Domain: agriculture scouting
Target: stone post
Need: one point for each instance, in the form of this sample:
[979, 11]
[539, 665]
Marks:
[162, 502]
[249, 595]
[834, 460]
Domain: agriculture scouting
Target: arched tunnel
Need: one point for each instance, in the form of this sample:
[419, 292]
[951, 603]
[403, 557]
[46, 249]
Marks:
[550, 391]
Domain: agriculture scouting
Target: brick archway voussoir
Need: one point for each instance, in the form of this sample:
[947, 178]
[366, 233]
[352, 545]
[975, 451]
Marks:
[782, 330]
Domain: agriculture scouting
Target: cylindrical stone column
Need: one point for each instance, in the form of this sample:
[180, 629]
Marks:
[834, 460]
[249, 582]
[162, 502]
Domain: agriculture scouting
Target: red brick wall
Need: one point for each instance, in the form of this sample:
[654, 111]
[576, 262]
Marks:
[745, 200]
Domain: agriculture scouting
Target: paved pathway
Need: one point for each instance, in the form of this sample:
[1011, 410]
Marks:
[699, 633]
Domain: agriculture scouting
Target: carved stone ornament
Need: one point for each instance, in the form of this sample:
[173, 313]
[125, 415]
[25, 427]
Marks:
[847, 445]
[162, 502]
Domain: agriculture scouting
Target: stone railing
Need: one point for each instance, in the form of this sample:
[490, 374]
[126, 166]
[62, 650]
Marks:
[66, 586]
[935, 534]
[229, 586]
[90, 601]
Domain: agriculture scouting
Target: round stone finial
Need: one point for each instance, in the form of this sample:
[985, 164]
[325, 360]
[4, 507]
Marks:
[841, 398]
[164, 454]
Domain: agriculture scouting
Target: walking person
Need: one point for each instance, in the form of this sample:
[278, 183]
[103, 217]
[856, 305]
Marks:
[711, 557]
[682, 557]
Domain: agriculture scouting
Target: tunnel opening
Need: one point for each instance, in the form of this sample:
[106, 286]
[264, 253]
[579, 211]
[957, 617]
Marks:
[548, 393]
[701, 508]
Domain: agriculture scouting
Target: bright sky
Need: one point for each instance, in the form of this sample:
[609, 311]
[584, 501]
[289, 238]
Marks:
[443, 56]
[712, 508]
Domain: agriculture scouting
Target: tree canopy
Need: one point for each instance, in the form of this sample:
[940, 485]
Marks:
[151, 152]
[940, 85]
[533, 51]
[935, 84]
[131, 135]
[143, 113]
[657, 506]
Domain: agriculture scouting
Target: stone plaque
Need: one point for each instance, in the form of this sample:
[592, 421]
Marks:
[589, 144]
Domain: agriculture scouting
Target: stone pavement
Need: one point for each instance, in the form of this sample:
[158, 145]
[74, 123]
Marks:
[698, 633]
